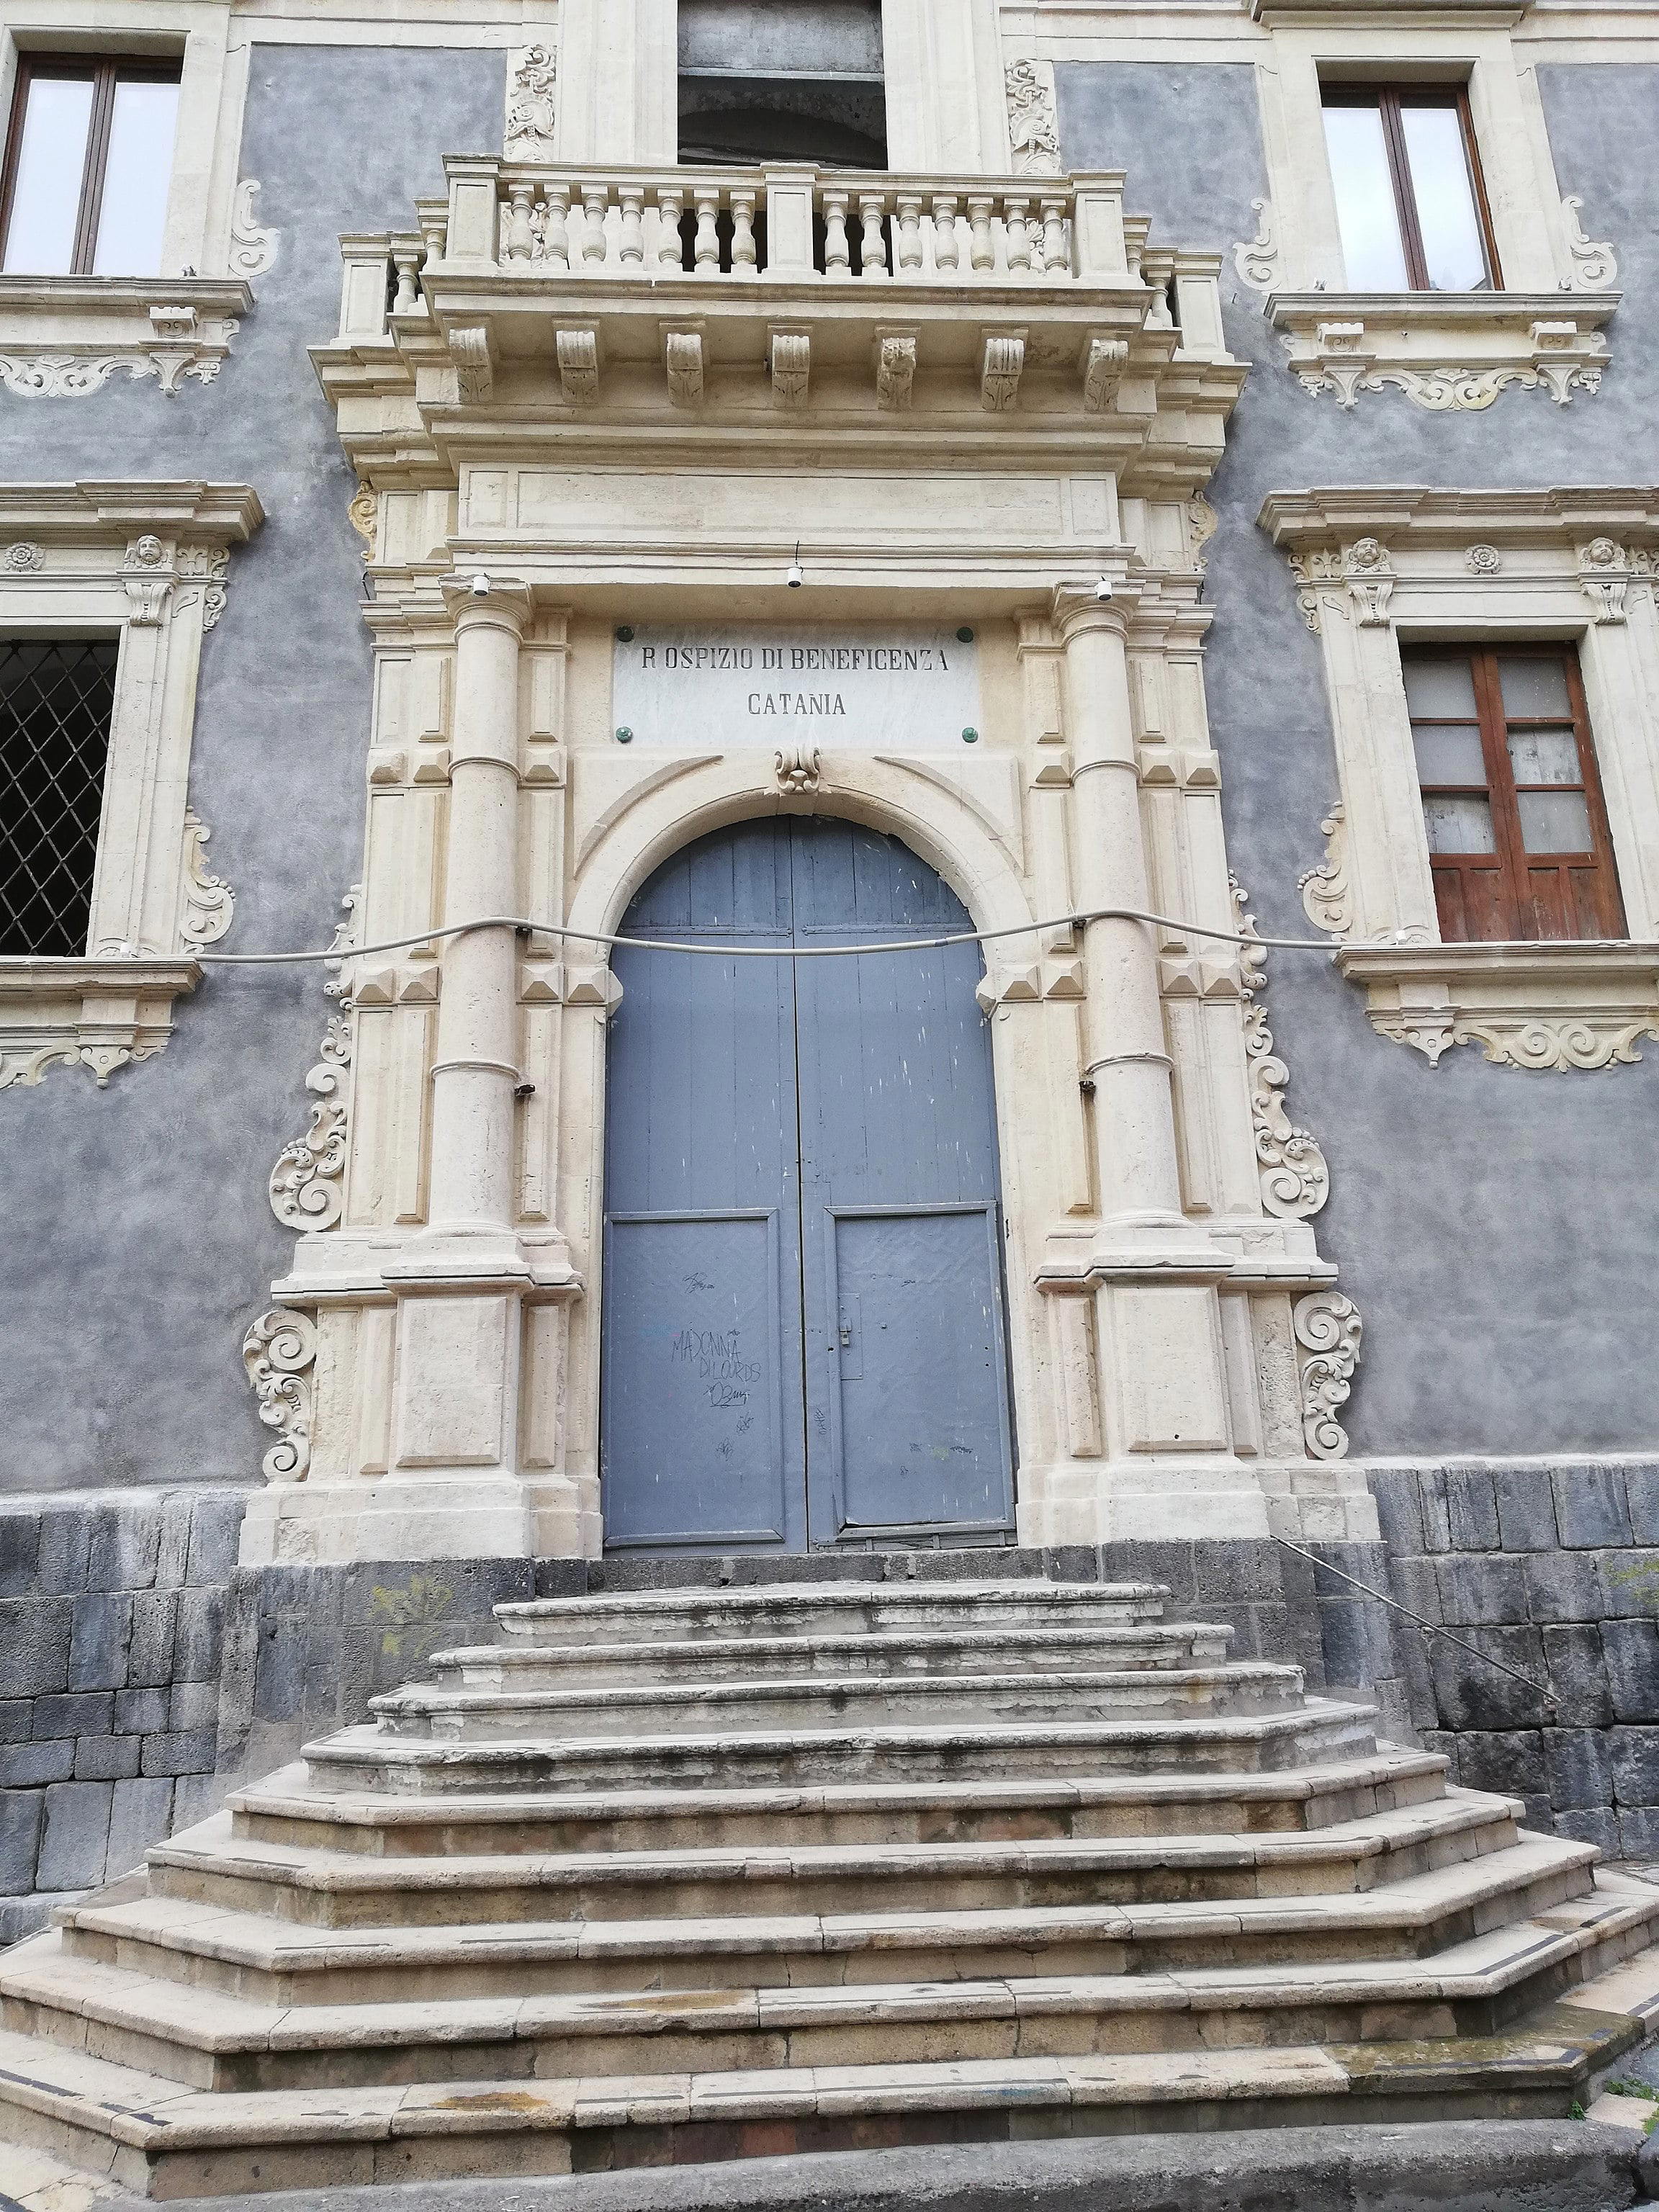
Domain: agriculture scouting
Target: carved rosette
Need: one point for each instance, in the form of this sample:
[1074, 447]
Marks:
[279, 1353]
[1329, 1331]
[1295, 1179]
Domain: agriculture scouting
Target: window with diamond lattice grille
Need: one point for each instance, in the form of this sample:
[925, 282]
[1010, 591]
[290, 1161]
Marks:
[55, 700]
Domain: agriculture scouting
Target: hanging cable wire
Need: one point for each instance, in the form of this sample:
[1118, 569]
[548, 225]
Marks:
[722, 952]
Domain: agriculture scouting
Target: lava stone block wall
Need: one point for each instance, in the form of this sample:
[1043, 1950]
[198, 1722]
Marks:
[112, 1611]
[1554, 1570]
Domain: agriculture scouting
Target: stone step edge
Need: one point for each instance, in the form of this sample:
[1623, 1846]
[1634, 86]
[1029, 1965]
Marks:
[354, 1743]
[283, 1795]
[159, 2117]
[1237, 1675]
[1375, 1835]
[803, 1598]
[1479, 1967]
[880, 1642]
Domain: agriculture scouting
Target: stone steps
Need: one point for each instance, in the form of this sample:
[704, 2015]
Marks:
[890, 1654]
[694, 1907]
[683, 1616]
[168, 2140]
[285, 1809]
[214, 2040]
[316, 1888]
[1303, 1736]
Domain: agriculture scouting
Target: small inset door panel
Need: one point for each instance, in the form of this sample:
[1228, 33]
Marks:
[919, 1403]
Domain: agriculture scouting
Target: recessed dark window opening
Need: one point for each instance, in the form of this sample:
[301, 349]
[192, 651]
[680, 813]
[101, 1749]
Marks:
[56, 699]
[801, 82]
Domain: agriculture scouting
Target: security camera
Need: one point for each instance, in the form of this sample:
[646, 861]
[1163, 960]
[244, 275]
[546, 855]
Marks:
[794, 575]
[1104, 588]
[481, 587]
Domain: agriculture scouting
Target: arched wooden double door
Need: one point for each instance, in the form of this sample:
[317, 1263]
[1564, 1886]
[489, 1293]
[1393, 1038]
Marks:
[803, 1336]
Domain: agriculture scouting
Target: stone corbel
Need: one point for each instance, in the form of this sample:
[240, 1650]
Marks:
[578, 355]
[683, 357]
[1002, 362]
[474, 358]
[1371, 582]
[1605, 572]
[789, 355]
[896, 369]
[1104, 360]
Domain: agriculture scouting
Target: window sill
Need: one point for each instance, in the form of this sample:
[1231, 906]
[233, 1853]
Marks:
[1561, 1006]
[1444, 350]
[98, 1013]
[62, 338]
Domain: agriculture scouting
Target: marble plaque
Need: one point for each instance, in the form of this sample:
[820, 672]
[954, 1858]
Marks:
[872, 687]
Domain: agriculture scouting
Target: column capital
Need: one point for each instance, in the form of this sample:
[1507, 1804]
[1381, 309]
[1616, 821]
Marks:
[1074, 609]
[507, 605]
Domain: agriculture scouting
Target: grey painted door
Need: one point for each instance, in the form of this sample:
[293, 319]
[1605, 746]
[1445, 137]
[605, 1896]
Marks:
[803, 1302]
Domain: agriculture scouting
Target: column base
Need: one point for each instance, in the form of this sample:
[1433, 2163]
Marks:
[1157, 1500]
[419, 1517]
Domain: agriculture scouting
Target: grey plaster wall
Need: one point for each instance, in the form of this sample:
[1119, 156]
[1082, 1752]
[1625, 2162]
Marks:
[142, 1208]
[1493, 1225]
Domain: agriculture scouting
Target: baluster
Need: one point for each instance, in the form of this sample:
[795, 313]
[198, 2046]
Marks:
[742, 233]
[1017, 232]
[555, 236]
[633, 223]
[435, 228]
[909, 231]
[982, 251]
[837, 254]
[515, 246]
[708, 257]
[945, 234]
[595, 200]
[406, 258]
[1056, 253]
[671, 205]
[872, 246]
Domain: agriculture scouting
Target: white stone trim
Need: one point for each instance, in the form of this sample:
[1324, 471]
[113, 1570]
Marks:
[1444, 350]
[1371, 564]
[145, 562]
[64, 337]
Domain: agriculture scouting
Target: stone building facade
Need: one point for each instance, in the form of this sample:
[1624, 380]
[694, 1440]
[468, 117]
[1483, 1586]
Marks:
[507, 383]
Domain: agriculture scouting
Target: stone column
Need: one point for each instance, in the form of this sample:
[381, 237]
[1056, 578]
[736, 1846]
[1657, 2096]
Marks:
[455, 1487]
[1128, 1061]
[475, 1070]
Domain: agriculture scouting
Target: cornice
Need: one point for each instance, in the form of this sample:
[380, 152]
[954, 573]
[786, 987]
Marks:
[107, 510]
[1407, 514]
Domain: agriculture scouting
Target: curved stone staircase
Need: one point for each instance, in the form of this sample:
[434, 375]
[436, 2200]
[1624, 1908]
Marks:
[695, 1875]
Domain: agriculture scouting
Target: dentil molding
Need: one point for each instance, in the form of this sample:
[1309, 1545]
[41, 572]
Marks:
[64, 337]
[1444, 350]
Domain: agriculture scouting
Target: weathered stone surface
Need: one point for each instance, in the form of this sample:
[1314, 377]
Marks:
[1579, 1764]
[1634, 1765]
[26, 1766]
[1589, 1505]
[85, 1712]
[34, 1644]
[1577, 1668]
[1631, 1649]
[76, 1842]
[21, 1814]
[99, 1636]
[105, 1758]
[1525, 1499]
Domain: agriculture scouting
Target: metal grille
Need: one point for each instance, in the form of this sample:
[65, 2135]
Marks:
[56, 699]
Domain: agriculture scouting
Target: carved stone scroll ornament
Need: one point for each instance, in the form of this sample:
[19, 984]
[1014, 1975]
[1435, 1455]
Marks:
[1295, 1179]
[307, 1184]
[1594, 265]
[799, 768]
[279, 1353]
[207, 565]
[207, 903]
[1328, 1330]
[532, 106]
[578, 353]
[364, 516]
[1002, 363]
[1327, 894]
[1256, 259]
[791, 357]
[896, 370]
[683, 356]
[1102, 372]
[252, 251]
[1033, 126]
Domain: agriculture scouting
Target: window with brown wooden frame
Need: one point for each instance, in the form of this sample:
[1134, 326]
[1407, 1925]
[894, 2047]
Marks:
[1517, 832]
[88, 166]
[1410, 204]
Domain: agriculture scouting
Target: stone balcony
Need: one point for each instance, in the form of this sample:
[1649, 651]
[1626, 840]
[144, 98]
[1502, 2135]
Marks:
[1031, 307]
